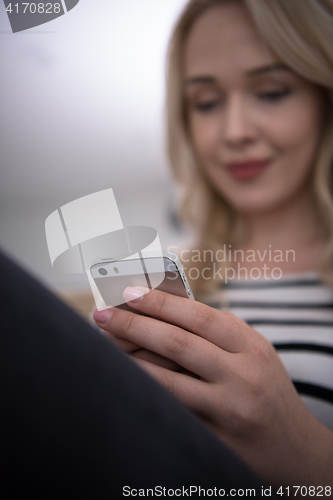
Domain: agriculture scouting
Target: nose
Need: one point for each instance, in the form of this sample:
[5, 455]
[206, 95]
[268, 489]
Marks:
[239, 129]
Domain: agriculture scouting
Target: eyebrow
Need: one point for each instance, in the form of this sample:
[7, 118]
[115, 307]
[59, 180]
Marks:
[253, 72]
[267, 69]
[200, 79]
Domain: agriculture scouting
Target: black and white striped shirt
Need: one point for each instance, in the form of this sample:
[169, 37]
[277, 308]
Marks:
[296, 315]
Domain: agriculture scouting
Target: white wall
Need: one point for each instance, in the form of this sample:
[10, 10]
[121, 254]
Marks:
[82, 110]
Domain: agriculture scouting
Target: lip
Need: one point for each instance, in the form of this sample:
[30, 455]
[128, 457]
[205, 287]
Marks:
[247, 169]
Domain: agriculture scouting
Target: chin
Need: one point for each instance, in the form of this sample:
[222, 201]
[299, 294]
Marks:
[254, 204]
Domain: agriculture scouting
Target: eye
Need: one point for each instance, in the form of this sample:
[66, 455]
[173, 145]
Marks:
[275, 95]
[206, 106]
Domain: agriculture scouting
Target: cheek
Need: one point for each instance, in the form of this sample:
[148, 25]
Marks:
[295, 129]
[205, 136]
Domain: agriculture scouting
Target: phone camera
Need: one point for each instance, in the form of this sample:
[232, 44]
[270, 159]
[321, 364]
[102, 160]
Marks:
[102, 271]
[116, 270]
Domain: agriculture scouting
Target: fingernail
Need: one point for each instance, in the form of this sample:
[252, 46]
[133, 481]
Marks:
[133, 294]
[102, 316]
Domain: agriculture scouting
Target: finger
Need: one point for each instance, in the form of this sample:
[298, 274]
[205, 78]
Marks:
[191, 391]
[139, 352]
[192, 352]
[122, 344]
[222, 329]
[159, 360]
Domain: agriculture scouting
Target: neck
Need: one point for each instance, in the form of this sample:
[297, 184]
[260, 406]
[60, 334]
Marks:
[293, 226]
[295, 223]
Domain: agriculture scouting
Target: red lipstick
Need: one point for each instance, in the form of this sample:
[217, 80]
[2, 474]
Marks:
[247, 169]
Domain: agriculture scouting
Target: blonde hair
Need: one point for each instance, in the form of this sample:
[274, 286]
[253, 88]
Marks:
[300, 33]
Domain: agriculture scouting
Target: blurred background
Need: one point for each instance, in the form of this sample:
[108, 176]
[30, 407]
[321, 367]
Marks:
[82, 109]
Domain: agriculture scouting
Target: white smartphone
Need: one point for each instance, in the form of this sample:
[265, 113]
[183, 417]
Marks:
[111, 277]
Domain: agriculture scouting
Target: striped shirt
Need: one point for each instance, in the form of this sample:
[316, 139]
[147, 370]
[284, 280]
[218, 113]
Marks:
[296, 315]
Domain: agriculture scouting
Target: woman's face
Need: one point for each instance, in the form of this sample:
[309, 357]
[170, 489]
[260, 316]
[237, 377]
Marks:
[254, 123]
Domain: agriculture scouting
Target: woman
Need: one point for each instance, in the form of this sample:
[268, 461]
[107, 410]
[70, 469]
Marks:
[250, 135]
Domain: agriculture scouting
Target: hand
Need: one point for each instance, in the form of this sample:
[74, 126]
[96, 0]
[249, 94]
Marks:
[235, 382]
[127, 346]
